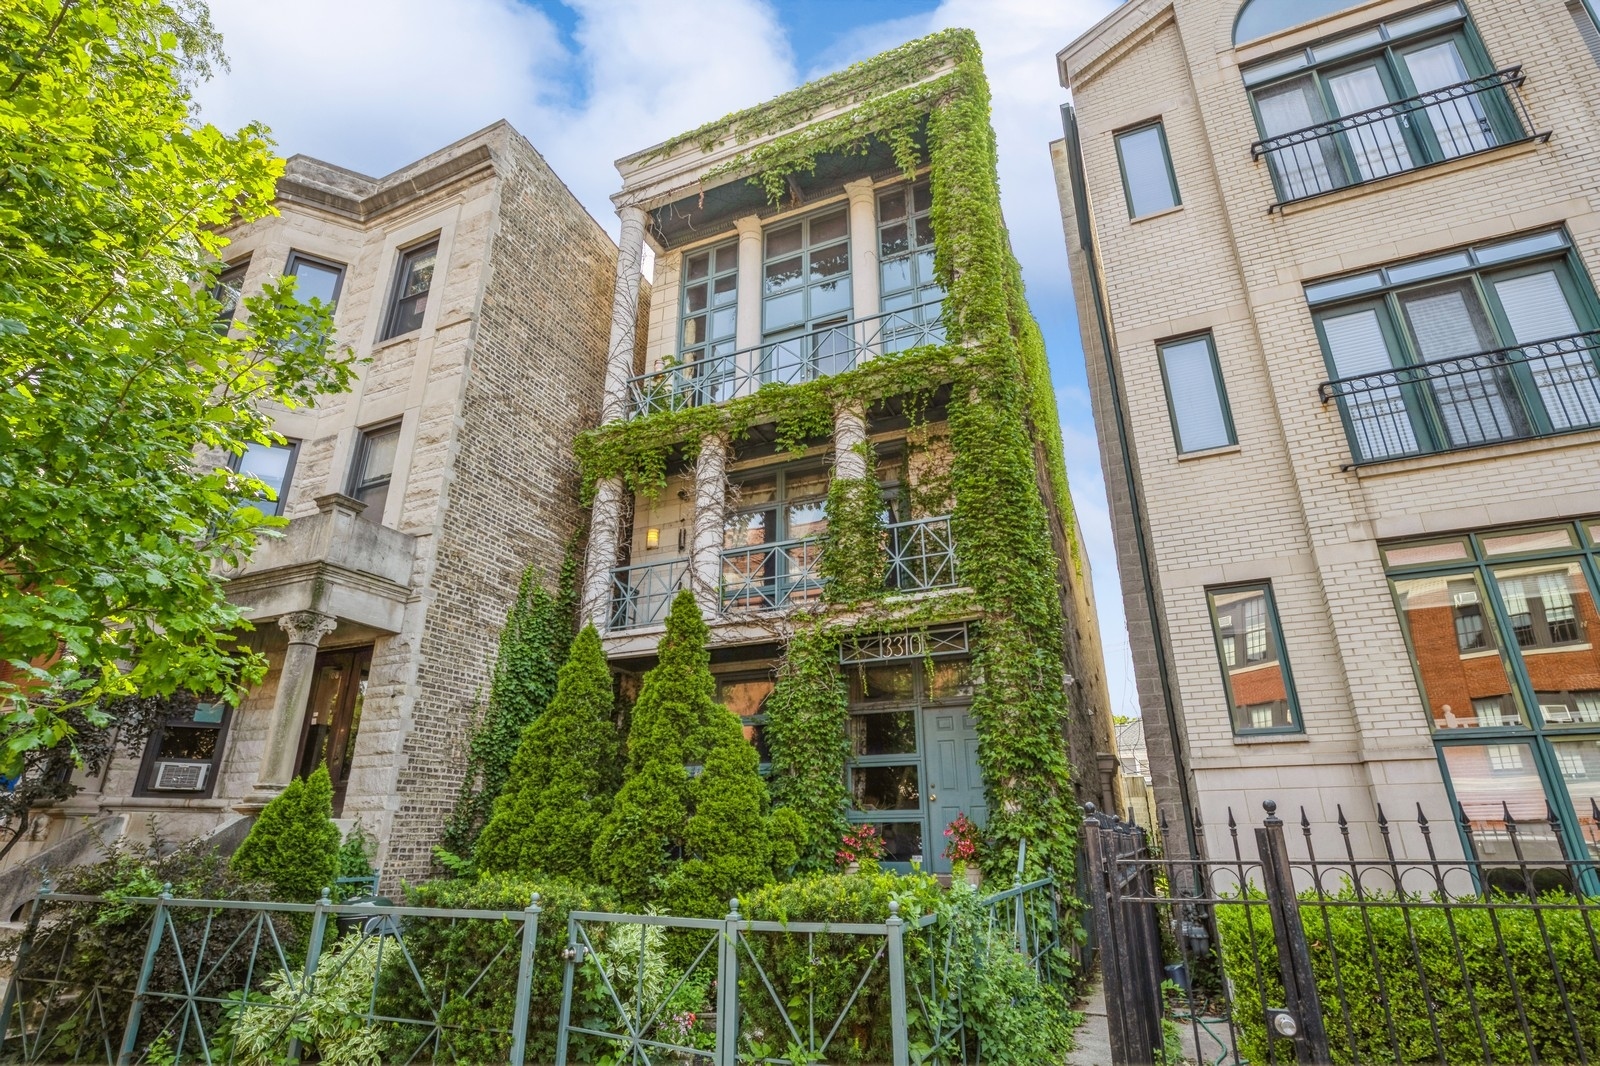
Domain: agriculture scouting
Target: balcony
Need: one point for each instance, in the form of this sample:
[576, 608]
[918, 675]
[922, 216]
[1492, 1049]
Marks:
[1535, 390]
[789, 360]
[772, 577]
[1447, 123]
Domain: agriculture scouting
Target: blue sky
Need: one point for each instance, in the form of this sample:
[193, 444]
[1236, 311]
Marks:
[374, 84]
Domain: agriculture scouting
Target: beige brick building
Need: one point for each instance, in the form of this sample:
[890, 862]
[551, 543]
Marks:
[475, 287]
[1335, 270]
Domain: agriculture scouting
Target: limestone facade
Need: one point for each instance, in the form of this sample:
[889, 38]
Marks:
[1295, 497]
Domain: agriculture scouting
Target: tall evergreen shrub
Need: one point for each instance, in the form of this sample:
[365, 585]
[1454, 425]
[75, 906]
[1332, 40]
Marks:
[533, 645]
[563, 779]
[294, 845]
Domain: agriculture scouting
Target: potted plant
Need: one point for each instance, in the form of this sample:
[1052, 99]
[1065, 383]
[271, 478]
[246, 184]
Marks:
[860, 849]
[961, 848]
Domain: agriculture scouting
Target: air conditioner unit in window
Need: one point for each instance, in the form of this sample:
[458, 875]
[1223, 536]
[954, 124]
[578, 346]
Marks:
[1556, 712]
[1463, 599]
[181, 776]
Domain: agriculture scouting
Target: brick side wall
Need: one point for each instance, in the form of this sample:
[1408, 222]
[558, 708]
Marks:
[510, 494]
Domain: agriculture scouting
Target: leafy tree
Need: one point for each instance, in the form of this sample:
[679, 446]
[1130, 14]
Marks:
[563, 778]
[533, 645]
[715, 820]
[294, 845]
[114, 378]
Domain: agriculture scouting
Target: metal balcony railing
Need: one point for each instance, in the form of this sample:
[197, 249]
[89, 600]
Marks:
[1531, 390]
[1446, 123]
[788, 360]
[768, 577]
[641, 595]
[922, 555]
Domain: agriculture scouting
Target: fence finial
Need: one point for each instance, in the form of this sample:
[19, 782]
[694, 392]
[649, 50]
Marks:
[1422, 819]
[326, 899]
[733, 909]
[1271, 807]
[894, 910]
[166, 890]
[533, 902]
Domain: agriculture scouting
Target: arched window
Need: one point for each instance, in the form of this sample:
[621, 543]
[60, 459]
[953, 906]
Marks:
[1259, 18]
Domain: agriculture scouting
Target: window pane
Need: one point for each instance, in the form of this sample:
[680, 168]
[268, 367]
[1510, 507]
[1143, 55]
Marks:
[376, 498]
[381, 447]
[1489, 780]
[697, 266]
[886, 683]
[807, 520]
[1379, 419]
[950, 679]
[885, 788]
[269, 464]
[744, 696]
[1578, 761]
[1193, 390]
[1145, 171]
[419, 272]
[1456, 653]
[185, 742]
[892, 205]
[1547, 607]
[727, 258]
[1303, 168]
[1257, 685]
[884, 733]
[1528, 541]
[1420, 554]
[783, 241]
[829, 227]
[314, 281]
[230, 283]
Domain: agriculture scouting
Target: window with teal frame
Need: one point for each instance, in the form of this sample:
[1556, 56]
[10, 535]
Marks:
[1255, 670]
[1197, 400]
[1504, 640]
[1148, 180]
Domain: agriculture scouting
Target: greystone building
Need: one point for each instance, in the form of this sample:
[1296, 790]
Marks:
[476, 289]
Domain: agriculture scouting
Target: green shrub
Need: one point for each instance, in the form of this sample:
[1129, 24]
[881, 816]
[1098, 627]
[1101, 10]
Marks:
[1372, 944]
[475, 1014]
[563, 779]
[533, 645]
[294, 845]
[355, 860]
[327, 1016]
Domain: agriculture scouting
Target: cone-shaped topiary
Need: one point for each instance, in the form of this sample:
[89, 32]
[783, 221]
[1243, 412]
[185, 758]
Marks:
[533, 645]
[563, 779]
[294, 845]
[644, 832]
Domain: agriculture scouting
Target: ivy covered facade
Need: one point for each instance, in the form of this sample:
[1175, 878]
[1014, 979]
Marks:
[834, 425]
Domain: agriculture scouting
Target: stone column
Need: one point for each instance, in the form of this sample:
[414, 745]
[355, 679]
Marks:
[849, 430]
[864, 286]
[747, 322]
[306, 630]
[604, 519]
[624, 312]
[710, 498]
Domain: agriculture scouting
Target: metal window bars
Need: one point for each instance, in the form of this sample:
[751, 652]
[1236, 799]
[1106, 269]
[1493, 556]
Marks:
[922, 555]
[1442, 124]
[820, 352]
[642, 594]
[1514, 393]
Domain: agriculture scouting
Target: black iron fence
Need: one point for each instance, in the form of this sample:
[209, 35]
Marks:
[1432, 127]
[1276, 954]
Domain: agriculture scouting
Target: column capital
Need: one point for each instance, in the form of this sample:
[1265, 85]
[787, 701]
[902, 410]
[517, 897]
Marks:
[860, 189]
[748, 226]
[307, 627]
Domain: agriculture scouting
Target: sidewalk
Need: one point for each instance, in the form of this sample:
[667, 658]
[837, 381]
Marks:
[1092, 1039]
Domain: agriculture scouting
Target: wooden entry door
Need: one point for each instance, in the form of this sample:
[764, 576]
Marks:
[954, 781]
[333, 716]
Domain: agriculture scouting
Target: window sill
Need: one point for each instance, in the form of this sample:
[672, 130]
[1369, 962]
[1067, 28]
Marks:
[1481, 453]
[1272, 738]
[1208, 453]
[1152, 216]
[1526, 146]
[165, 803]
[397, 340]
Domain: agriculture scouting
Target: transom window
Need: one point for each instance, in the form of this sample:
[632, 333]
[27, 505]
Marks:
[805, 298]
[910, 292]
[1467, 348]
[1501, 627]
[1415, 90]
[1255, 673]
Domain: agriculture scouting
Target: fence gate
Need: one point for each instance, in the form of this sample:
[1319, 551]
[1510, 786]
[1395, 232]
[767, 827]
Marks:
[1426, 953]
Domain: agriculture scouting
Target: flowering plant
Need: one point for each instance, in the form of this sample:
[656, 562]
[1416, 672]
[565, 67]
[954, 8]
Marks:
[961, 840]
[862, 844]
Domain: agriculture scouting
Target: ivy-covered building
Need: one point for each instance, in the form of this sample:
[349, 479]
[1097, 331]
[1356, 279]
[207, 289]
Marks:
[835, 426]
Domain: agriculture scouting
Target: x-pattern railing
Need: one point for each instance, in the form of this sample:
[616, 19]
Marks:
[768, 577]
[820, 352]
[922, 555]
[641, 594]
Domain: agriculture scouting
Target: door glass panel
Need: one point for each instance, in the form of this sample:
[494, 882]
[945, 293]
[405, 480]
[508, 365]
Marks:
[1563, 372]
[1459, 124]
[1489, 781]
[883, 733]
[1304, 167]
[1476, 397]
[1379, 419]
[885, 788]
[1376, 143]
[902, 841]
[348, 740]
[1456, 653]
[1578, 762]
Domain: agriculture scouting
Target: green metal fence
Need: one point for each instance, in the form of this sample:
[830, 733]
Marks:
[227, 981]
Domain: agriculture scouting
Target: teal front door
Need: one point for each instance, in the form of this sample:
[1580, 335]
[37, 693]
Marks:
[954, 782]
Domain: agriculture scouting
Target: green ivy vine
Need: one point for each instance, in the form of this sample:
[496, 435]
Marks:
[929, 101]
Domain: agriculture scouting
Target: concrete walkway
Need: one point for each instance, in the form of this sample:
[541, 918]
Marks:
[1092, 1039]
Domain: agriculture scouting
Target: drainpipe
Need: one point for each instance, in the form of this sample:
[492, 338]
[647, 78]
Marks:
[1080, 198]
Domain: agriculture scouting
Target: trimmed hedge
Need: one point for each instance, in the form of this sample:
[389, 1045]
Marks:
[1466, 1020]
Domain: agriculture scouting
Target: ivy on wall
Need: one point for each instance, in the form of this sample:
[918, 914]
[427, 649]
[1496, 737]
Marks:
[929, 101]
